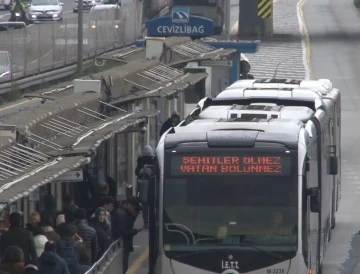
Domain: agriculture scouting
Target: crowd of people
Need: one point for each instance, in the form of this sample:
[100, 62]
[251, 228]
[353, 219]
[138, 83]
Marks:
[72, 240]
[66, 242]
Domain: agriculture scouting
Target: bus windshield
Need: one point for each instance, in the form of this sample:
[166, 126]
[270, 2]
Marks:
[215, 201]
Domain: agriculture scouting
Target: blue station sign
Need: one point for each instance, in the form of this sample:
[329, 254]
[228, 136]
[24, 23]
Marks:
[180, 23]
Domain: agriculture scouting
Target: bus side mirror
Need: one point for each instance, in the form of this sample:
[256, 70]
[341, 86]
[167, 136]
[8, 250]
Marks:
[314, 199]
[333, 165]
[143, 186]
[145, 182]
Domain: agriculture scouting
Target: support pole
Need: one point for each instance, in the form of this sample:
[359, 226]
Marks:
[227, 19]
[80, 37]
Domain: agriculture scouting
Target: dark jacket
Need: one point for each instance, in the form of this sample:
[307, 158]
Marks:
[165, 126]
[122, 226]
[104, 239]
[60, 228]
[21, 238]
[51, 263]
[142, 161]
[89, 237]
[80, 250]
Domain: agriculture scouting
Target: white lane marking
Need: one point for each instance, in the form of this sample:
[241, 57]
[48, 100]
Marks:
[304, 42]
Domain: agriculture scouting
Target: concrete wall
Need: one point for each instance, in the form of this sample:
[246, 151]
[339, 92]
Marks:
[250, 25]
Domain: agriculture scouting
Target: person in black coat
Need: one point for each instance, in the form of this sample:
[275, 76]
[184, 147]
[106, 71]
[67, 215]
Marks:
[147, 158]
[173, 121]
[103, 231]
[20, 237]
[122, 226]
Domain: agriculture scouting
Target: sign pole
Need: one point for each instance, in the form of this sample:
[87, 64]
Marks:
[227, 19]
[80, 37]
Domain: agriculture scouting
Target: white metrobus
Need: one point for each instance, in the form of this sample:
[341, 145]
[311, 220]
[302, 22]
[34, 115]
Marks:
[291, 92]
[310, 93]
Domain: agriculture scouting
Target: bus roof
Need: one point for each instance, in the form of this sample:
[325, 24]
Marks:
[252, 92]
[324, 86]
[257, 111]
[284, 131]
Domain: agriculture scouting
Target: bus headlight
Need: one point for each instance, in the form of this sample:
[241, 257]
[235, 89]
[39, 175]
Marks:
[93, 26]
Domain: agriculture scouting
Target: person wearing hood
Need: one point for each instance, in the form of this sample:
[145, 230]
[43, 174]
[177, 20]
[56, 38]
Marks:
[173, 121]
[50, 262]
[147, 158]
[50, 208]
[59, 220]
[20, 237]
[12, 262]
[39, 239]
[103, 231]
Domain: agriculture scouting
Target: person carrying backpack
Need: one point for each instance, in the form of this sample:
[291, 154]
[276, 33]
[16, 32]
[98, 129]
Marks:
[73, 252]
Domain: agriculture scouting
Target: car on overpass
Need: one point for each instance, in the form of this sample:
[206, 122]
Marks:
[45, 10]
[87, 4]
[105, 15]
[6, 4]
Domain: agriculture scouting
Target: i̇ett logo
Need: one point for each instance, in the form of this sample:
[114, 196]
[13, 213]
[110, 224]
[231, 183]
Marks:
[180, 15]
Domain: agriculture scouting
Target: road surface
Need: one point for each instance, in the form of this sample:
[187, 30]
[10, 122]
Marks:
[334, 30]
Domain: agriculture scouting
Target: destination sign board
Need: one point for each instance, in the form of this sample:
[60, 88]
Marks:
[180, 23]
[274, 165]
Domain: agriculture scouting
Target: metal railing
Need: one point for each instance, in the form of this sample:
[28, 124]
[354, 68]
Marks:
[44, 47]
[112, 259]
